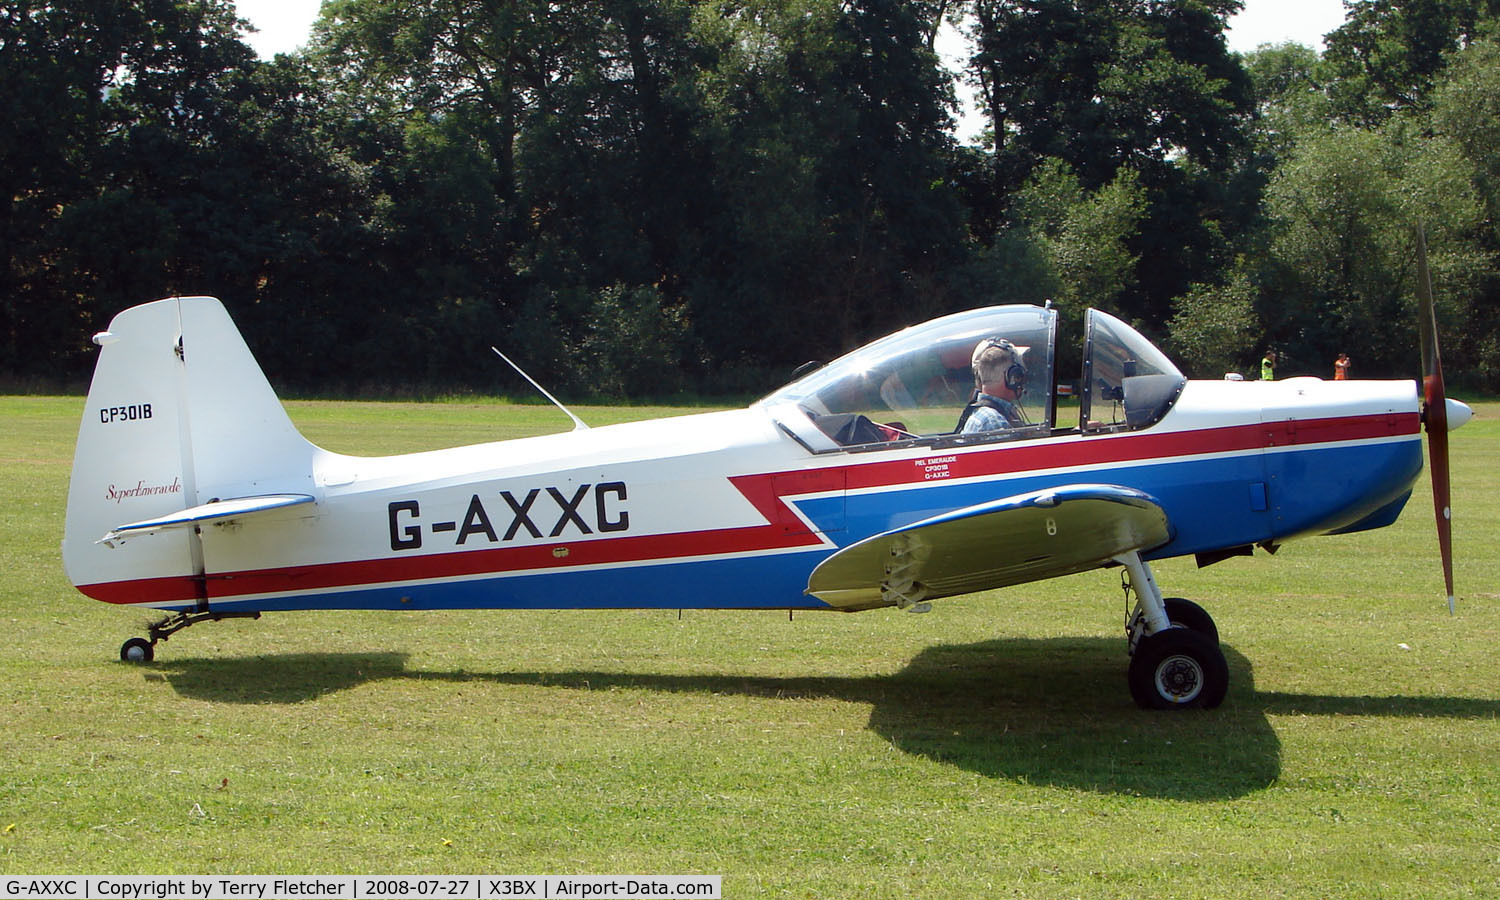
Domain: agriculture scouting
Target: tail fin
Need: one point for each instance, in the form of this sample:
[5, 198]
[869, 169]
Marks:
[178, 414]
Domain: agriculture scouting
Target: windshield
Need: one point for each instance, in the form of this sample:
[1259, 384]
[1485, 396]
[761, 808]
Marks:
[918, 383]
[1127, 382]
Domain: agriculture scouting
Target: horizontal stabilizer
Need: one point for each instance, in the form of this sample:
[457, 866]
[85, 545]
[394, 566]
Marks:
[216, 511]
[1027, 537]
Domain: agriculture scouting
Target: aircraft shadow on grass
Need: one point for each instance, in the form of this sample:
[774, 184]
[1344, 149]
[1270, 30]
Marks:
[1048, 711]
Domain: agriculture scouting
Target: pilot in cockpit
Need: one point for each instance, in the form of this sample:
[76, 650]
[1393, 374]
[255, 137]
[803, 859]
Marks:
[999, 382]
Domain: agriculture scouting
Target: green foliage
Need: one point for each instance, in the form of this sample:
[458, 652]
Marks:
[777, 177]
[828, 123]
[1122, 86]
[1289, 98]
[633, 344]
[1346, 192]
[1105, 85]
[1466, 111]
[1085, 237]
[1343, 206]
[1215, 329]
[1013, 268]
[80, 86]
[1388, 54]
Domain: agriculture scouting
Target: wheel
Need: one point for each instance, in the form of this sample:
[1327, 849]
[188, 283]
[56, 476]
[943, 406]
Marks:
[1181, 613]
[1178, 669]
[137, 650]
[1191, 616]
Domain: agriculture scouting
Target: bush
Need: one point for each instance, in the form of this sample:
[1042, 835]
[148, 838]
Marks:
[633, 343]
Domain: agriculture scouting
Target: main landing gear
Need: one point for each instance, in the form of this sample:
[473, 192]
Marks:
[142, 650]
[1175, 660]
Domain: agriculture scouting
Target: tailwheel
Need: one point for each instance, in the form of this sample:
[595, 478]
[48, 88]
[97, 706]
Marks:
[143, 650]
[137, 650]
[1178, 668]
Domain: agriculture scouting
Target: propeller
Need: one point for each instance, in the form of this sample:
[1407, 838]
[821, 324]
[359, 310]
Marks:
[1435, 414]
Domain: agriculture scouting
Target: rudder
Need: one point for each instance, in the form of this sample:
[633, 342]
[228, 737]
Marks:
[178, 414]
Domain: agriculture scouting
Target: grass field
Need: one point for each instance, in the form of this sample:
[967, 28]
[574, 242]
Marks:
[989, 748]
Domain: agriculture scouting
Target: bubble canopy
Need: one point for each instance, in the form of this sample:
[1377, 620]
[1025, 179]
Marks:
[915, 385]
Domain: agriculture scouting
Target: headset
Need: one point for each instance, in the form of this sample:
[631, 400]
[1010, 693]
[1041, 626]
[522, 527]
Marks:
[1015, 374]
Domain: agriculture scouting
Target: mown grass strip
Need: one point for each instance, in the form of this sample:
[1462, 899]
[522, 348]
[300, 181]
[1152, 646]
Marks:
[988, 748]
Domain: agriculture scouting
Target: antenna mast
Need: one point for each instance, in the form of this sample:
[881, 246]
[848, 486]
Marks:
[578, 424]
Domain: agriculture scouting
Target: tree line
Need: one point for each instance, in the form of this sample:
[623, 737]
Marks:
[637, 197]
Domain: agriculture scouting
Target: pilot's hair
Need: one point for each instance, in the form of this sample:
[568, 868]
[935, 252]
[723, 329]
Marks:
[997, 361]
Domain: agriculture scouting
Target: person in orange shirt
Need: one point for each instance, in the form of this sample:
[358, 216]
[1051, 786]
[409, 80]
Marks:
[1341, 368]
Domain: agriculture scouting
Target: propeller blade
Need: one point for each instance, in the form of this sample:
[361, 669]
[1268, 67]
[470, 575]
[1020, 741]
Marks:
[1435, 414]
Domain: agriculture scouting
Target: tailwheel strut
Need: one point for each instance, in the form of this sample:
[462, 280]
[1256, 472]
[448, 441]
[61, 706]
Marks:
[143, 650]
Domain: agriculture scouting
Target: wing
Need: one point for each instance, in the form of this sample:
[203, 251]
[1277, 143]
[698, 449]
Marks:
[218, 510]
[1017, 539]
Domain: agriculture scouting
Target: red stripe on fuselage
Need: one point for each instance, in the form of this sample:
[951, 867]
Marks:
[1127, 447]
[767, 493]
[172, 589]
[459, 564]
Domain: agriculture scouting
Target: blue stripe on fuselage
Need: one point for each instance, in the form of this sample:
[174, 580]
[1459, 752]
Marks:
[772, 581]
[1210, 503]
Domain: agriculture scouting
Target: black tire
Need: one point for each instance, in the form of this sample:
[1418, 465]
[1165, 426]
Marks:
[137, 650]
[1178, 669]
[1191, 616]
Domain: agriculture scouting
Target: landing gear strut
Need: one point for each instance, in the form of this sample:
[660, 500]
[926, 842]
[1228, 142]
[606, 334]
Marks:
[141, 650]
[1175, 660]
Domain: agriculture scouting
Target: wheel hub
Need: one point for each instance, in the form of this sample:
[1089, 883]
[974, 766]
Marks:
[1179, 678]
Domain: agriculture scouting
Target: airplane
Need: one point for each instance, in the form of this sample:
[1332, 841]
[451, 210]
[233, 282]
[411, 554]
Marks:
[851, 488]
